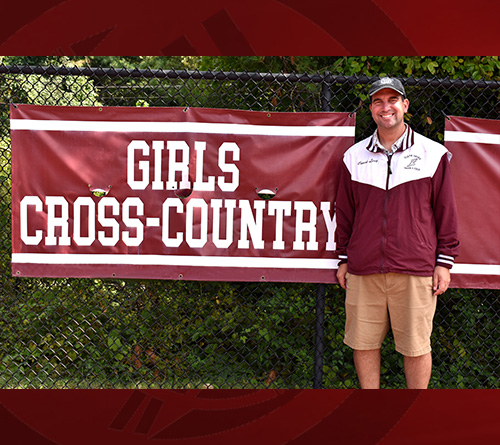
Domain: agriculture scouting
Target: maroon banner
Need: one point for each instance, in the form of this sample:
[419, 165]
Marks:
[475, 144]
[195, 194]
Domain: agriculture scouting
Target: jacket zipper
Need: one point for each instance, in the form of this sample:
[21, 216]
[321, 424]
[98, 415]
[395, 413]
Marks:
[384, 221]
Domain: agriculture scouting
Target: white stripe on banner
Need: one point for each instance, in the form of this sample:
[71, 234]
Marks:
[213, 261]
[476, 269]
[180, 127]
[466, 136]
[175, 260]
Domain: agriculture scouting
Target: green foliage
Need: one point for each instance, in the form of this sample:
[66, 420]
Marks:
[169, 334]
[476, 67]
[142, 62]
[48, 90]
[466, 340]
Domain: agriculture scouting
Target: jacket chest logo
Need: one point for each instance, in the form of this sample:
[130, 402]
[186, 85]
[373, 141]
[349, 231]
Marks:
[412, 162]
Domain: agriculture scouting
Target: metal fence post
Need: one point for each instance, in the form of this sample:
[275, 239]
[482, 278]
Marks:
[326, 97]
[320, 336]
[326, 93]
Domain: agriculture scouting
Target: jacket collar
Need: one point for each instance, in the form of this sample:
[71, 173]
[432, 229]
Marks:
[403, 143]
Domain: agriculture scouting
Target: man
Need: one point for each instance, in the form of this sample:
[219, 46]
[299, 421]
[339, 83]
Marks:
[396, 238]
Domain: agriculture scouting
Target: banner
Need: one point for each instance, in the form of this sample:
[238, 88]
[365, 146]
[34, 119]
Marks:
[475, 144]
[173, 193]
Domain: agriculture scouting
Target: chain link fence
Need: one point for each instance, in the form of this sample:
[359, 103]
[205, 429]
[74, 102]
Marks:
[82, 333]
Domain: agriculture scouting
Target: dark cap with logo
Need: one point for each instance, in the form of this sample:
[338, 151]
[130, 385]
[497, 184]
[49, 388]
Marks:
[387, 82]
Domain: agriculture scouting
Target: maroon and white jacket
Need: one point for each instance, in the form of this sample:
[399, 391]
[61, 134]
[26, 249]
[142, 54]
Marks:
[396, 213]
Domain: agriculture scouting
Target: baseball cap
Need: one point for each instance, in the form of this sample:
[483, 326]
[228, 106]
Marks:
[387, 82]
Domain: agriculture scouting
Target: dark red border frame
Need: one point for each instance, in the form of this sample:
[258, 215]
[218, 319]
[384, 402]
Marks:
[222, 27]
[387, 417]
[340, 28]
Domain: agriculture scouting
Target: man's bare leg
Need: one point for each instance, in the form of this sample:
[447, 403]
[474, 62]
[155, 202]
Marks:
[367, 365]
[418, 371]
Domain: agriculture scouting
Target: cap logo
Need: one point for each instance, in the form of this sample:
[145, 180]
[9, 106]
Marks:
[387, 82]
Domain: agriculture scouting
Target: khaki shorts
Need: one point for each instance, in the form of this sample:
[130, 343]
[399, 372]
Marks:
[403, 302]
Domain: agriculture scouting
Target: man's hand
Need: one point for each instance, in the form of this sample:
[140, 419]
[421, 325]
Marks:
[441, 280]
[341, 273]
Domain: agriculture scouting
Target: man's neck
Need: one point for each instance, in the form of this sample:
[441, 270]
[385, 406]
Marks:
[387, 137]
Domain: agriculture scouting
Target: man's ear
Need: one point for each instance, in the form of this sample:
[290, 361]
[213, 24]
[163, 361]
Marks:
[406, 104]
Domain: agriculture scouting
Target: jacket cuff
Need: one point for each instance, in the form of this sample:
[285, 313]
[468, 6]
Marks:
[445, 261]
[342, 259]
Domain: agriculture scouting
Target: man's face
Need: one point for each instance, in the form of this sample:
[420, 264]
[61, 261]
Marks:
[388, 108]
